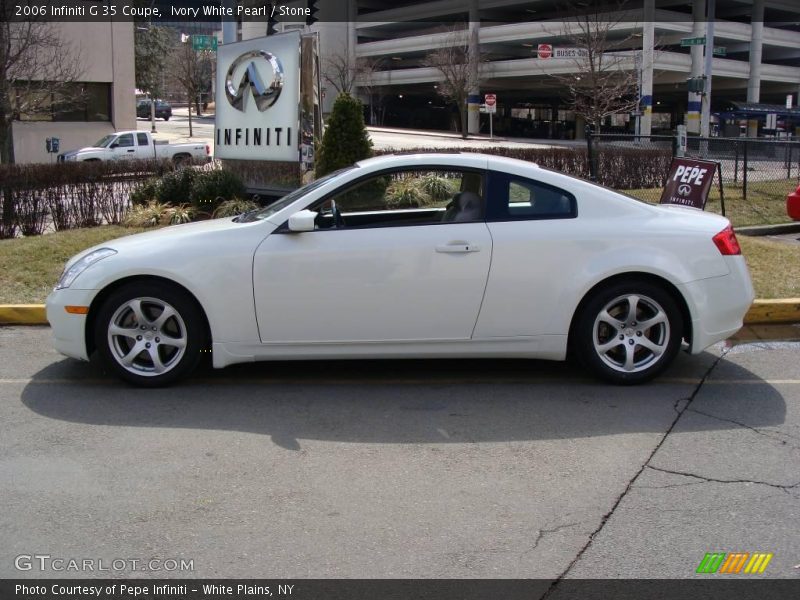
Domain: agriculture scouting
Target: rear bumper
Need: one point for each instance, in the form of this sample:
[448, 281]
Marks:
[718, 304]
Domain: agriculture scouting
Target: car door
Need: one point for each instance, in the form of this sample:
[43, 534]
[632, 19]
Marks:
[143, 148]
[400, 265]
[124, 148]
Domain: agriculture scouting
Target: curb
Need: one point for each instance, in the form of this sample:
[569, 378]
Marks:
[22, 314]
[785, 310]
[777, 229]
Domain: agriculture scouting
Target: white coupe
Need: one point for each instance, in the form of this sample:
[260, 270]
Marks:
[410, 256]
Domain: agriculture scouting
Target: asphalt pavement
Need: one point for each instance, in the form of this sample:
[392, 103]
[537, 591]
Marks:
[410, 469]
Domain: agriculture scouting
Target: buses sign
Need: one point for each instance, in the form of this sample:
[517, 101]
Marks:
[689, 182]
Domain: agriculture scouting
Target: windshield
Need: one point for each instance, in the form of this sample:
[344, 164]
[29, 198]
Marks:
[275, 207]
[104, 141]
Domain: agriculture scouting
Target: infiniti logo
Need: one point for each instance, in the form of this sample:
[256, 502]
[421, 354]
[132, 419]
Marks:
[684, 190]
[264, 95]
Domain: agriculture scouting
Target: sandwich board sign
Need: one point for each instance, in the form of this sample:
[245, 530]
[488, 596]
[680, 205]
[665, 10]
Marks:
[689, 182]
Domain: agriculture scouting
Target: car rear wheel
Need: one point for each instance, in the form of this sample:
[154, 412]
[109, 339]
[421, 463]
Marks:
[149, 334]
[629, 332]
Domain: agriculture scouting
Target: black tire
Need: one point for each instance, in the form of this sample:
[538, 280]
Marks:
[166, 117]
[168, 350]
[622, 348]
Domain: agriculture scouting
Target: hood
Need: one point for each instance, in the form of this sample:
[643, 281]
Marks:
[162, 239]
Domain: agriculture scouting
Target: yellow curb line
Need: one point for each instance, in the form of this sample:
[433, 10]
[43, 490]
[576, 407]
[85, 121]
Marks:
[786, 310]
[22, 314]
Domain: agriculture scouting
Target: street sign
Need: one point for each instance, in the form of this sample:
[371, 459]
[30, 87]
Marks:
[491, 103]
[204, 42]
[689, 182]
[720, 51]
[697, 41]
[545, 50]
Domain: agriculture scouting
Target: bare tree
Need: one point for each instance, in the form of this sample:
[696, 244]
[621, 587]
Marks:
[604, 79]
[338, 71]
[366, 68]
[194, 70]
[457, 61]
[39, 74]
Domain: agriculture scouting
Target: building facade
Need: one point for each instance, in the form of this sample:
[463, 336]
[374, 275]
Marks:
[756, 60]
[107, 80]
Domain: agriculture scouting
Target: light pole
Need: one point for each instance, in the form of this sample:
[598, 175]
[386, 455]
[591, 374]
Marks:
[705, 114]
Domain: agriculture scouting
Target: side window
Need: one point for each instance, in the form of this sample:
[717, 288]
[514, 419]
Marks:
[514, 198]
[406, 197]
[126, 140]
[142, 138]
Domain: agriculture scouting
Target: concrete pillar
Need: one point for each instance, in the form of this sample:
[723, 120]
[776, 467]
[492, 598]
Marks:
[756, 41]
[648, 41]
[708, 62]
[695, 100]
[474, 100]
[352, 40]
[229, 25]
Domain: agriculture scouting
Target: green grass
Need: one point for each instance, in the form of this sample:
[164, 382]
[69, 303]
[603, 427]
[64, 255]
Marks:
[765, 204]
[30, 266]
[774, 266]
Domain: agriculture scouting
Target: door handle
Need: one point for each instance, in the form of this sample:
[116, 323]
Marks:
[458, 248]
[131, 150]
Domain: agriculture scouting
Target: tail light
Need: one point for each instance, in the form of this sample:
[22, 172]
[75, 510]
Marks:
[208, 150]
[726, 242]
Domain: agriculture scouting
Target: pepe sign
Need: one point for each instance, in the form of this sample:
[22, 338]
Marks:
[689, 182]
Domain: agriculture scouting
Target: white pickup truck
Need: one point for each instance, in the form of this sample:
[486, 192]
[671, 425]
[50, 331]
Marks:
[128, 145]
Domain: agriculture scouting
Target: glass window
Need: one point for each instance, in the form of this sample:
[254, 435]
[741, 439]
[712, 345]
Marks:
[69, 102]
[125, 140]
[420, 196]
[519, 198]
[142, 139]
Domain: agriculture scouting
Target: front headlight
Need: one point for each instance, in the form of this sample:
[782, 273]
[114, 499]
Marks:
[69, 275]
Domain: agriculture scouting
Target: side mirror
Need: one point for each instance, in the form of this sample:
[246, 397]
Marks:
[302, 221]
[114, 145]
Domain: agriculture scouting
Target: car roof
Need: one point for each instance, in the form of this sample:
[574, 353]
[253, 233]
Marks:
[455, 159]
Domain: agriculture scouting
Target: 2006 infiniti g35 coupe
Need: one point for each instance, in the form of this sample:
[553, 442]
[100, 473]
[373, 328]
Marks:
[428, 255]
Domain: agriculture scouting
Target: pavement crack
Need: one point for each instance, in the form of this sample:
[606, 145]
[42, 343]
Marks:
[679, 411]
[777, 436]
[542, 533]
[705, 479]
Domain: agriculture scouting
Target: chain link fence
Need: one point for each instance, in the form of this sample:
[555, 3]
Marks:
[757, 174]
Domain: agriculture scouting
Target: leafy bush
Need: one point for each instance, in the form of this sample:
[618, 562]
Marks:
[176, 187]
[211, 188]
[405, 193]
[144, 192]
[232, 208]
[149, 215]
[345, 140]
[183, 213]
[437, 188]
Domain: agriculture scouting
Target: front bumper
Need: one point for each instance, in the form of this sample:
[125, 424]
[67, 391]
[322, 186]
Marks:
[69, 330]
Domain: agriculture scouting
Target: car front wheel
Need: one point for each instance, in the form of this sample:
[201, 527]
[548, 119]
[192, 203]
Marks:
[149, 334]
[629, 332]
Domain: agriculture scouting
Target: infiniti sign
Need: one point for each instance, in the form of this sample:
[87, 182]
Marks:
[264, 96]
[258, 99]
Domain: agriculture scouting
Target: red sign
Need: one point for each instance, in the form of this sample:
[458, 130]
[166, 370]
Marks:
[545, 50]
[491, 99]
[689, 182]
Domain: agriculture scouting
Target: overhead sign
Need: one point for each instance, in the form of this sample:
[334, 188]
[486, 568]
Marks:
[689, 182]
[545, 50]
[570, 53]
[696, 41]
[719, 51]
[258, 98]
[204, 42]
[491, 103]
